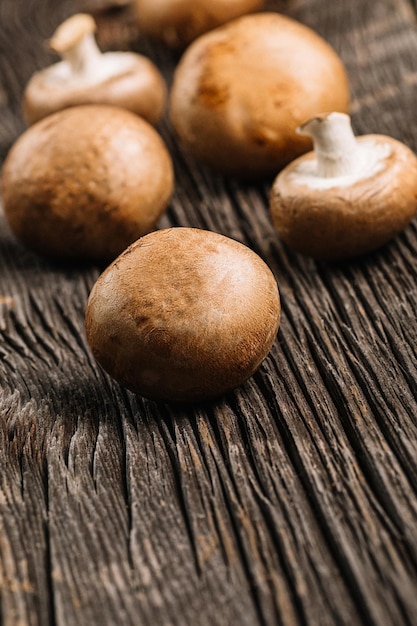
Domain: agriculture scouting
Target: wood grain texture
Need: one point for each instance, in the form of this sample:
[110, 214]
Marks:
[292, 500]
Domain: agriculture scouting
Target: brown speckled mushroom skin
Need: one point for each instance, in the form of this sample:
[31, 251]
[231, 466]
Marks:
[86, 182]
[140, 89]
[344, 222]
[178, 22]
[183, 315]
[240, 92]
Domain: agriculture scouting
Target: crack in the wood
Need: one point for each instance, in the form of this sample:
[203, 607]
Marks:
[49, 564]
[127, 496]
[295, 458]
[170, 439]
[345, 562]
[253, 581]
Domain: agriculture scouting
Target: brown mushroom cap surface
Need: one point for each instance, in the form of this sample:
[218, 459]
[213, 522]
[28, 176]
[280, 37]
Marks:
[240, 92]
[86, 182]
[123, 79]
[183, 315]
[178, 22]
[346, 220]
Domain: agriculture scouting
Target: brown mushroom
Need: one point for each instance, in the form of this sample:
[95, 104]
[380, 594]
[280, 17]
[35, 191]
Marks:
[241, 91]
[350, 196]
[183, 315]
[87, 76]
[86, 182]
[178, 22]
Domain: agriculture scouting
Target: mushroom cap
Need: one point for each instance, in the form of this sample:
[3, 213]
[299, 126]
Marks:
[183, 315]
[178, 22]
[124, 79]
[240, 92]
[344, 217]
[86, 182]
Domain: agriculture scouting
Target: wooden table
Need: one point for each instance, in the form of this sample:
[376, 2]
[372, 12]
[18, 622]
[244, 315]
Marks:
[293, 499]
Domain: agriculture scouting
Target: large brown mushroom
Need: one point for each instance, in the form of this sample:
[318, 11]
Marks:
[178, 22]
[87, 76]
[183, 315]
[240, 92]
[348, 197]
[86, 182]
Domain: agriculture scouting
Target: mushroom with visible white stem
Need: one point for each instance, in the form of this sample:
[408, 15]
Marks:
[349, 196]
[85, 75]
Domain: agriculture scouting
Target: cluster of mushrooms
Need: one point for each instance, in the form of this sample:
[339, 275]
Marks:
[183, 314]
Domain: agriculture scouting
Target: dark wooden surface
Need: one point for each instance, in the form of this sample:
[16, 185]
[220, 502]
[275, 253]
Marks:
[293, 500]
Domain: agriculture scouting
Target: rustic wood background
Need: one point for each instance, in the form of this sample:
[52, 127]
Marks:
[293, 500]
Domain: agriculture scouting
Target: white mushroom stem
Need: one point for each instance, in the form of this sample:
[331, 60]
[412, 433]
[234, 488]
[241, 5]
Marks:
[335, 144]
[74, 41]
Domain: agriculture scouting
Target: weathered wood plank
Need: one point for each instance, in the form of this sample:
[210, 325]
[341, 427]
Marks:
[291, 501]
